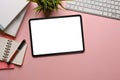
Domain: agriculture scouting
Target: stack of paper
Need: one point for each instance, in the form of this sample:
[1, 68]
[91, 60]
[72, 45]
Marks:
[11, 14]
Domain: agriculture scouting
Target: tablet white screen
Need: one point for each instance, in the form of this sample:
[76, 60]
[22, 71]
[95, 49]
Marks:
[56, 35]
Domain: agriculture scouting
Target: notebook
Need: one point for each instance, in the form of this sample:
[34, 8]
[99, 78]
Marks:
[8, 48]
[56, 35]
[14, 26]
[9, 10]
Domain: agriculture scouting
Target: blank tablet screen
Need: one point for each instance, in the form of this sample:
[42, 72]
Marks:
[56, 35]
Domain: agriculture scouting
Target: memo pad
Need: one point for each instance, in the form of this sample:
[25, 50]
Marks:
[56, 35]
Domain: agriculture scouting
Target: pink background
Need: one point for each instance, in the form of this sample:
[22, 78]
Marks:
[100, 61]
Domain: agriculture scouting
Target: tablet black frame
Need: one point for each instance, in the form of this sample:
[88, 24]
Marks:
[59, 53]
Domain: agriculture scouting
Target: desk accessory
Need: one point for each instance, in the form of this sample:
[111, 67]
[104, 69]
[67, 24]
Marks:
[14, 26]
[47, 5]
[9, 10]
[17, 51]
[8, 49]
[56, 35]
[105, 8]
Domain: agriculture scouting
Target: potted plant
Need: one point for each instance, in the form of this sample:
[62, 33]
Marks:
[47, 6]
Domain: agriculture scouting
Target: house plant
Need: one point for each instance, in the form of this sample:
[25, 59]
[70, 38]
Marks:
[46, 6]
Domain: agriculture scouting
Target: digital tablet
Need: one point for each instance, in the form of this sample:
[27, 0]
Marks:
[56, 35]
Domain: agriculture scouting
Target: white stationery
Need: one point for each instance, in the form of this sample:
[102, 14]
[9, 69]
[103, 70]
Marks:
[9, 10]
[14, 26]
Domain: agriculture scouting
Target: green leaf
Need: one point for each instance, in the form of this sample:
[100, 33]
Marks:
[38, 9]
[47, 5]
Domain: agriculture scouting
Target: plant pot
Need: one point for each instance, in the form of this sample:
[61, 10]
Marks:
[47, 13]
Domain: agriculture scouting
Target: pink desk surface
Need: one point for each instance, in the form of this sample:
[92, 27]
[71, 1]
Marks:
[100, 61]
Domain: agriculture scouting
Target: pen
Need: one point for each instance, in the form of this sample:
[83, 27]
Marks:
[16, 52]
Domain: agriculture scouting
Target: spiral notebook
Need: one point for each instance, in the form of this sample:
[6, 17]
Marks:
[8, 48]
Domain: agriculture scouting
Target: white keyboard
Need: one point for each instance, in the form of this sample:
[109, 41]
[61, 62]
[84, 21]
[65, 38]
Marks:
[106, 8]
